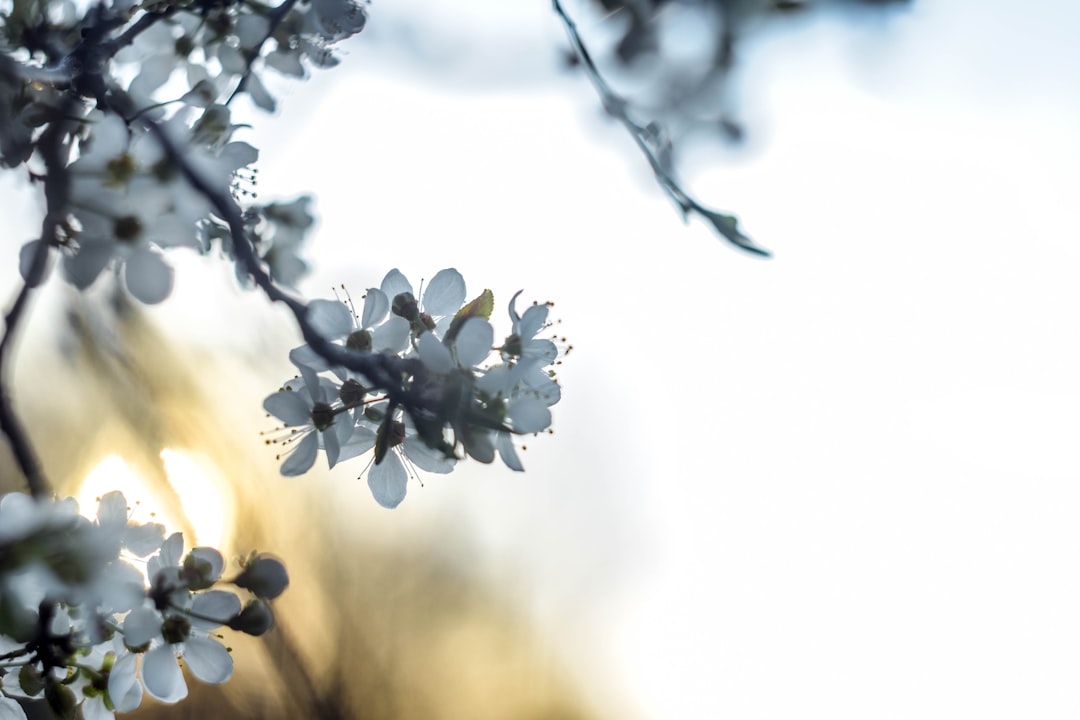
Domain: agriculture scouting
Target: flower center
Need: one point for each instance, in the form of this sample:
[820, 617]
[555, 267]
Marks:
[127, 229]
[119, 170]
[175, 629]
[359, 340]
[322, 416]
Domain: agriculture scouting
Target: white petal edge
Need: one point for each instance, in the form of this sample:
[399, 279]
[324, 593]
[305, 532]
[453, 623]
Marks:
[161, 675]
[445, 294]
[148, 277]
[208, 660]
[125, 690]
[473, 342]
[504, 444]
[302, 456]
[387, 481]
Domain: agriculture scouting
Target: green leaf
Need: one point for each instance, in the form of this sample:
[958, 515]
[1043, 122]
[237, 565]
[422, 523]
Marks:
[480, 307]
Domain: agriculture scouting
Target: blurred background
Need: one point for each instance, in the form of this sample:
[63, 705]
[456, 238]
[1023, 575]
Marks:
[840, 483]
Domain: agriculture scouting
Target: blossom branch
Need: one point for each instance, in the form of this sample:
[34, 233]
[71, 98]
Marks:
[274, 18]
[142, 24]
[652, 142]
[384, 371]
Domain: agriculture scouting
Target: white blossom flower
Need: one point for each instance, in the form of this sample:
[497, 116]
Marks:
[130, 201]
[288, 224]
[140, 540]
[376, 330]
[175, 634]
[175, 623]
[310, 409]
[436, 307]
[522, 345]
[388, 480]
[468, 348]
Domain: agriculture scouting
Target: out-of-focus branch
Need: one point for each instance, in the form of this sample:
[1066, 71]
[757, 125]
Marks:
[653, 143]
[141, 25]
[53, 149]
[10, 425]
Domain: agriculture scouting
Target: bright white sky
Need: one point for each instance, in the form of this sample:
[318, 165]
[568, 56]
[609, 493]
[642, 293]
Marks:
[842, 483]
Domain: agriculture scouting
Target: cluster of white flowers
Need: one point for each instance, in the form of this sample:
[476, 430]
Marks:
[121, 114]
[468, 392]
[149, 152]
[95, 613]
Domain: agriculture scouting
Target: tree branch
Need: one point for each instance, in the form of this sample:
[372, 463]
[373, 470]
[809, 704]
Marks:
[275, 17]
[653, 143]
[54, 155]
[385, 372]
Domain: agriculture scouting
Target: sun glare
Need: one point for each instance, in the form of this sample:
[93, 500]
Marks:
[202, 500]
[204, 508]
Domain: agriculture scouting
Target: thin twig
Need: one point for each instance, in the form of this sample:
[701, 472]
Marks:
[650, 140]
[275, 17]
[142, 24]
[385, 372]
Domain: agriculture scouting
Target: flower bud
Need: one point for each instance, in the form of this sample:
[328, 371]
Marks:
[263, 576]
[255, 619]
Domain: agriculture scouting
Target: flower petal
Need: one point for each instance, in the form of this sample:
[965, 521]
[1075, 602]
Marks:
[83, 268]
[121, 588]
[27, 255]
[394, 284]
[140, 626]
[147, 276]
[376, 307]
[330, 444]
[505, 445]
[473, 342]
[142, 540]
[391, 336]
[125, 690]
[427, 458]
[331, 318]
[362, 440]
[434, 354]
[528, 415]
[93, 708]
[289, 406]
[387, 481]
[302, 457]
[532, 321]
[304, 356]
[208, 660]
[161, 675]
[445, 294]
[112, 510]
[259, 94]
[221, 605]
